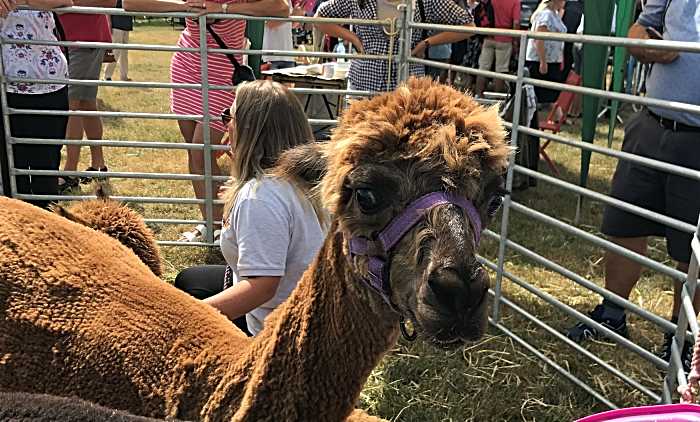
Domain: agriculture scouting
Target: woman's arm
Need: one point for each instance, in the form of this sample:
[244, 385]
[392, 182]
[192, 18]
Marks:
[275, 8]
[245, 296]
[155, 6]
[297, 11]
[539, 48]
[339, 31]
[440, 39]
[45, 4]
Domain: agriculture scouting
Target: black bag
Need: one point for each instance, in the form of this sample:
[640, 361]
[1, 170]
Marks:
[241, 72]
[484, 17]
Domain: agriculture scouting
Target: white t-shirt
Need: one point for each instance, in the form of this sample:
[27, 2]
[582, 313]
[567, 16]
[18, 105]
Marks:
[270, 233]
[279, 38]
[553, 50]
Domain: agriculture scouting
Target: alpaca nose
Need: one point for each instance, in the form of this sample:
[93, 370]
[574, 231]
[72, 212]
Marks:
[458, 288]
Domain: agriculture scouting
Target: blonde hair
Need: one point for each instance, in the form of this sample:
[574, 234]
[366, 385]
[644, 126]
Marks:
[267, 119]
[545, 3]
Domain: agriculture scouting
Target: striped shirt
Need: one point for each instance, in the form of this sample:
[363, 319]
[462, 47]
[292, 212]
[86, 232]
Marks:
[372, 75]
[185, 68]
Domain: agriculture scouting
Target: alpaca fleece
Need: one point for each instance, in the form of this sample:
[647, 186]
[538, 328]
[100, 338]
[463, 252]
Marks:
[118, 221]
[81, 315]
[24, 407]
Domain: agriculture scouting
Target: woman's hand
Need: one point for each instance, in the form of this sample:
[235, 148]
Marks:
[419, 50]
[7, 6]
[544, 68]
[204, 7]
[226, 186]
[357, 44]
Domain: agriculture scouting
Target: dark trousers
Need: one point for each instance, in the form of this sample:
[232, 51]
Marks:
[204, 281]
[37, 156]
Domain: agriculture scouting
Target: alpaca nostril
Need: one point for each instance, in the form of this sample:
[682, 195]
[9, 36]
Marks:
[452, 286]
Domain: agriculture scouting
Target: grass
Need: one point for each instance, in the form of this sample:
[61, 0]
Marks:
[491, 380]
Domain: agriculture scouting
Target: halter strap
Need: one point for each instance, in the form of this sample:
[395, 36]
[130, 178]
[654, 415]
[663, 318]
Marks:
[378, 279]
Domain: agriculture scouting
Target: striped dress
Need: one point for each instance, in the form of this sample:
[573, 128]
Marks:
[186, 68]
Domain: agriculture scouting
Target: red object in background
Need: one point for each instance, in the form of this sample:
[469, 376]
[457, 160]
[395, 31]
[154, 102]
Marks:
[564, 102]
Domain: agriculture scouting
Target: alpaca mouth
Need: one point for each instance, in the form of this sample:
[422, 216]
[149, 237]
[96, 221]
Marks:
[448, 346]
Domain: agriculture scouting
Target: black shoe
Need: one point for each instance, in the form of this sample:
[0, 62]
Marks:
[89, 179]
[686, 353]
[68, 185]
[581, 332]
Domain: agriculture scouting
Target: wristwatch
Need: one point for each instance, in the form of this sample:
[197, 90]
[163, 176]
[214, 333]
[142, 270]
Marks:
[224, 6]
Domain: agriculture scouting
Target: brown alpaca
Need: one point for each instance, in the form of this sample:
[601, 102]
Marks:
[87, 321]
[119, 222]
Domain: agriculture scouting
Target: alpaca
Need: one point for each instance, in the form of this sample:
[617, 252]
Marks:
[81, 316]
[25, 407]
[118, 221]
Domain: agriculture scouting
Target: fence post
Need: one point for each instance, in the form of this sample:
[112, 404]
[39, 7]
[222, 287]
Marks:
[206, 129]
[404, 42]
[686, 313]
[509, 179]
[7, 164]
[256, 30]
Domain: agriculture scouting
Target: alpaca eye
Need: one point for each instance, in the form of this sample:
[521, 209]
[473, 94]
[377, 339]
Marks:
[367, 199]
[495, 204]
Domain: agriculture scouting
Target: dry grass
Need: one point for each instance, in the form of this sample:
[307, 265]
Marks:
[492, 380]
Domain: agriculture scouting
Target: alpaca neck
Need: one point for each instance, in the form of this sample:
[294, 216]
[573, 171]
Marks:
[318, 349]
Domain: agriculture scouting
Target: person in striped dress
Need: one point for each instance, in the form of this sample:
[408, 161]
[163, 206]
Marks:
[185, 68]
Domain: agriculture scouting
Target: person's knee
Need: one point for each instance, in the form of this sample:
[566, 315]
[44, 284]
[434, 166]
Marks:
[196, 161]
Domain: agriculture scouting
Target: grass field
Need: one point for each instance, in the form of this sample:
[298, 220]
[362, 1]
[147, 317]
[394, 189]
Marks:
[491, 380]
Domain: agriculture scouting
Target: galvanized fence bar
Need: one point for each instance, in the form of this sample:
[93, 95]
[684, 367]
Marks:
[582, 281]
[509, 175]
[621, 155]
[608, 200]
[559, 336]
[208, 191]
[641, 259]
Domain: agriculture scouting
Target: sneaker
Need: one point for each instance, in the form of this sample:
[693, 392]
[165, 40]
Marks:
[686, 353]
[107, 79]
[85, 179]
[581, 331]
[127, 79]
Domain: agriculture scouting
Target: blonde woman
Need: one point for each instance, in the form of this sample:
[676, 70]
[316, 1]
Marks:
[271, 230]
[545, 59]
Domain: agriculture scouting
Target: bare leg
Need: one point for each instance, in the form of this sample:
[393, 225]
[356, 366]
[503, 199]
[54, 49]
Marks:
[74, 130]
[498, 85]
[93, 131]
[677, 286]
[480, 86]
[621, 274]
[193, 132]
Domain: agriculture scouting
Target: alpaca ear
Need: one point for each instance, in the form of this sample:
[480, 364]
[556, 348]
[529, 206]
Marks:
[59, 210]
[101, 191]
[304, 165]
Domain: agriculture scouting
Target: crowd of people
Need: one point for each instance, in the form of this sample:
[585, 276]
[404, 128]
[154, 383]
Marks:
[270, 228]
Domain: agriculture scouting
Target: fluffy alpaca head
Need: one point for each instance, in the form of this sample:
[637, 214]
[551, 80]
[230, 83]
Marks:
[118, 221]
[393, 149]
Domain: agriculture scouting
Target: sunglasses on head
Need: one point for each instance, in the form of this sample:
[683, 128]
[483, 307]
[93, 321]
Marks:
[226, 117]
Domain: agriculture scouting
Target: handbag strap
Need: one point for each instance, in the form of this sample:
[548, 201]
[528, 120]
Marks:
[223, 47]
[61, 36]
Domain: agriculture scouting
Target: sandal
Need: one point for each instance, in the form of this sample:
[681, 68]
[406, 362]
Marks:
[86, 179]
[68, 184]
[199, 235]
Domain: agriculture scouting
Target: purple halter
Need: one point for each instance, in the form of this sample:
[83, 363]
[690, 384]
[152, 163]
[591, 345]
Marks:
[397, 229]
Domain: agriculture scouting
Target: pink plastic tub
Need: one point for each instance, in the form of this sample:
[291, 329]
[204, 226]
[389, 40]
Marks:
[664, 413]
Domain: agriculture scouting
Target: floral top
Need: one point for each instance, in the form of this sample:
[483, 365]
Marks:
[553, 50]
[31, 61]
